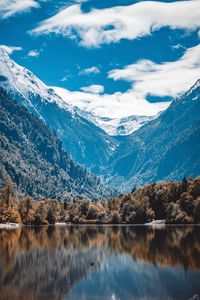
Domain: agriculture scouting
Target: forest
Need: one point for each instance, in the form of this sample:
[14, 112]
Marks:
[33, 156]
[174, 202]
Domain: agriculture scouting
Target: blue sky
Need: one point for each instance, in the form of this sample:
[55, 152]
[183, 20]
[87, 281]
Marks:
[107, 53]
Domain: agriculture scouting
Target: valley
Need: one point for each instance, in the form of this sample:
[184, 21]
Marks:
[164, 148]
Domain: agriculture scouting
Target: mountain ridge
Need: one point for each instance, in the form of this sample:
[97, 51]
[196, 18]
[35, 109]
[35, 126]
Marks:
[166, 148]
[32, 155]
[85, 142]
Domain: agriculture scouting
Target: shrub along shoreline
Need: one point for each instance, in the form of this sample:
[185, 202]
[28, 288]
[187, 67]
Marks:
[174, 202]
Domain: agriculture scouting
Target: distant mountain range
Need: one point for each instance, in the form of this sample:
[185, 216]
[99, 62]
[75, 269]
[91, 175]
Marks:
[116, 126]
[165, 147]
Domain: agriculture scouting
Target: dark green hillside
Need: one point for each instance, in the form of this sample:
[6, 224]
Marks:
[32, 155]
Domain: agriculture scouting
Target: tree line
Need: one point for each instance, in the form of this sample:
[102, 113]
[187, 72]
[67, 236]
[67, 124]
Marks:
[175, 202]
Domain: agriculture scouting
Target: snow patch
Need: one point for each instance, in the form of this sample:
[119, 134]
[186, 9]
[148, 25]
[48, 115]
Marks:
[19, 80]
[116, 126]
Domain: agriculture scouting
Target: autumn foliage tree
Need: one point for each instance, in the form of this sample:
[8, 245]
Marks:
[176, 202]
[8, 204]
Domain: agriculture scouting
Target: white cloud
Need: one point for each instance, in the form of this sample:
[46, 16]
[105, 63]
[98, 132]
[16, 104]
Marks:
[10, 49]
[129, 22]
[147, 77]
[33, 53]
[94, 89]
[165, 79]
[91, 70]
[11, 7]
[116, 105]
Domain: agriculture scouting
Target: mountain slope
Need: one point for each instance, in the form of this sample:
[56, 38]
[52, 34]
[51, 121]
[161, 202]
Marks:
[32, 155]
[85, 142]
[166, 148]
[116, 126]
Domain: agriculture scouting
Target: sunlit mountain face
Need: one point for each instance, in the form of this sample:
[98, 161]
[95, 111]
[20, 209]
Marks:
[111, 58]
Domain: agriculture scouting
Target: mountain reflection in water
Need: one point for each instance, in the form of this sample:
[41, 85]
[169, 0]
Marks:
[99, 262]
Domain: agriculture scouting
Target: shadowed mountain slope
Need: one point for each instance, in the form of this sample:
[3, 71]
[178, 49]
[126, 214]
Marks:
[32, 155]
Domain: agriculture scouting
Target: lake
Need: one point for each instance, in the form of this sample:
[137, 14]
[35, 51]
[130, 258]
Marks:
[100, 262]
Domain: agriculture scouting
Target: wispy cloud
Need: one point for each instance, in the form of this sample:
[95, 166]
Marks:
[65, 78]
[80, 1]
[164, 79]
[88, 71]
[12, 7]
[10, 49]
[34, 53]
[178, 46]
[94, 89]
[121, 22]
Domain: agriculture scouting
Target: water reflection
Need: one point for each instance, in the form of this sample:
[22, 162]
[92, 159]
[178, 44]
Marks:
[99, 262]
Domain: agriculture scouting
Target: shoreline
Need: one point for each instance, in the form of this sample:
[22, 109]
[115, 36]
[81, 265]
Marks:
[152, 225]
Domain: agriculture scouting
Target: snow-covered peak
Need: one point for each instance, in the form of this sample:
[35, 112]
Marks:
[195, 87]
[124, 126]
[17, 79]
[192, 94]
[116, 126]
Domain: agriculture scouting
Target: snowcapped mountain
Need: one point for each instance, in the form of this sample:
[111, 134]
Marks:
[128, 151]
[22, 83]
[85, 142]
[116, 126]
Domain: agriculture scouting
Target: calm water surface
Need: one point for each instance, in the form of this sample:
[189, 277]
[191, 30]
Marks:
[99, 262]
